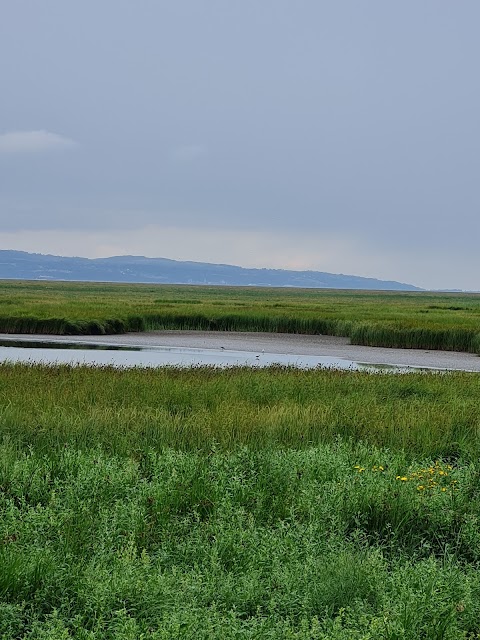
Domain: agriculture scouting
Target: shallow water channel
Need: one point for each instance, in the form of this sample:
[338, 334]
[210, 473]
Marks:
[76, 353]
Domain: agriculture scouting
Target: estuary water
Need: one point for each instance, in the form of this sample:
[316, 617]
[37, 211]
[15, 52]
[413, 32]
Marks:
[225, 349]
[125, 356]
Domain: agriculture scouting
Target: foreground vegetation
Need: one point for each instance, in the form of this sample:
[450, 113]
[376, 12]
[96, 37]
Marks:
[238, 504]
[391, 319]
[201, 409]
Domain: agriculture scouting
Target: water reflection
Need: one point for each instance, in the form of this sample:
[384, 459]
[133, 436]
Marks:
[95, 354]
[43, 344]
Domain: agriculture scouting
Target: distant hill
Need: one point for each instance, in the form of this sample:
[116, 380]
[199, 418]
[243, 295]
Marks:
[35, 266]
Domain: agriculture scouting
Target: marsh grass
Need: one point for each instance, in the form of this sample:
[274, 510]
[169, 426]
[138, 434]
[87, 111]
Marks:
[238, 503]
[202, 407]
[391, 319]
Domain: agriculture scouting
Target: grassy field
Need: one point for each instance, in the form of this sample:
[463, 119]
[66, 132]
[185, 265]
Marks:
[238, 503]
[391, 319]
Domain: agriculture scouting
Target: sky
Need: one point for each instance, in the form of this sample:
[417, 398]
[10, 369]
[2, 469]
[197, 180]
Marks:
[339, 136]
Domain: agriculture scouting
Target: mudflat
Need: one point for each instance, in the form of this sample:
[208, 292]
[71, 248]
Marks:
[319, 345]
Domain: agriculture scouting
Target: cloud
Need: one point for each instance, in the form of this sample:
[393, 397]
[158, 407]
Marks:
[33, 142]
[189, 152]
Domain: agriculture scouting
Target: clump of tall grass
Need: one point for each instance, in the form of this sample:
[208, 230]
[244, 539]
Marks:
[416, 338]
[232, 322]
[62, 326]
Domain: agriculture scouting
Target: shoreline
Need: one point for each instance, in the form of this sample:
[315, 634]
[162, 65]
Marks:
[285, 343]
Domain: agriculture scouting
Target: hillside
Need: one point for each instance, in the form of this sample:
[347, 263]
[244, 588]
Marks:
[34, 266]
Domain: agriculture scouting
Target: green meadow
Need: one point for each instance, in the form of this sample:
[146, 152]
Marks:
[238, 503]
[392, 319]
[209, 503]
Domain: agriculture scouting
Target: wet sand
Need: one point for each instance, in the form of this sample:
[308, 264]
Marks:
[284, 343]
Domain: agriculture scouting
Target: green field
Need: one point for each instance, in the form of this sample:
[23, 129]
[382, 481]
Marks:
[391, 319]
[238, 503]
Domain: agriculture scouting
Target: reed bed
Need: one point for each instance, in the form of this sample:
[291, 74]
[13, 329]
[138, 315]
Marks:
[391, 319]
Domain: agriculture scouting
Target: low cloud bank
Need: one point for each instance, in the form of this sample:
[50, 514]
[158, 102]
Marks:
[33, 142]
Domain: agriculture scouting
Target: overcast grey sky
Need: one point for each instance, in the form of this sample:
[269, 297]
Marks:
[339, 135]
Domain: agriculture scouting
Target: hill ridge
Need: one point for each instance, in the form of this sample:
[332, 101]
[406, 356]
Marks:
[22, 265]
